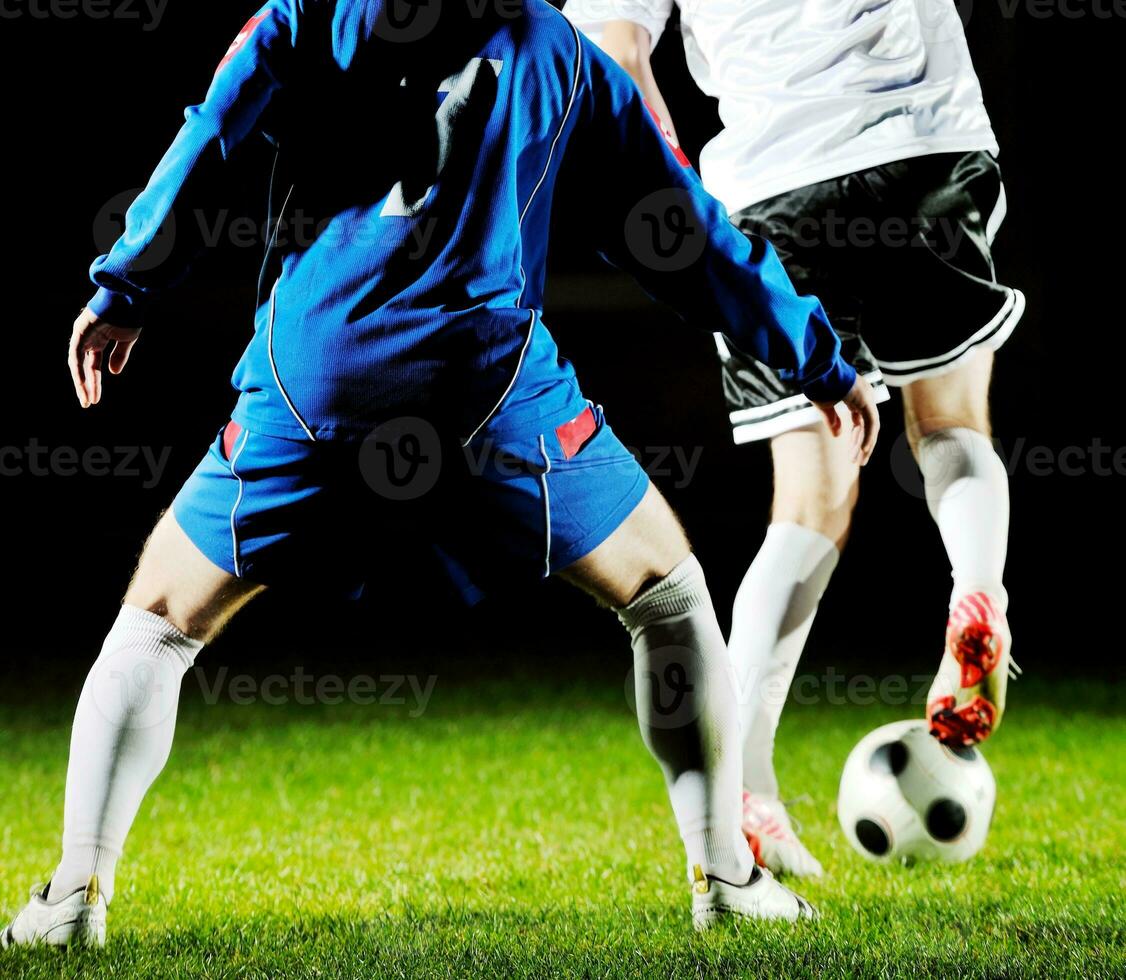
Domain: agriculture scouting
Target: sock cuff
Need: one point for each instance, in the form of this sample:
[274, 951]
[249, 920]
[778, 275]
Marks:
[680, 592]
[727, 856]
[151, 635]
[801, 551]
[970, 441]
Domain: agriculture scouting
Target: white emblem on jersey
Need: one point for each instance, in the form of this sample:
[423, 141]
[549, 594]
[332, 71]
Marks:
[461, 90]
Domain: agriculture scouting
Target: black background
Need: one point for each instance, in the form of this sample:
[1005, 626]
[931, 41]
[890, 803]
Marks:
[89, 106]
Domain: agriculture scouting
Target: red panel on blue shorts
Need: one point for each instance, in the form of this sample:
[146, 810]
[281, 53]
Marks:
[574, 434]
[231, 432]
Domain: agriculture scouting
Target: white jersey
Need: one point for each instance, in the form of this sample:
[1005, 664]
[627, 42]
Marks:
[809, 90]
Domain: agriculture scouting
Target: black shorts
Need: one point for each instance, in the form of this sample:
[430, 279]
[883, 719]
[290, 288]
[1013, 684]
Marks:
[900, 257]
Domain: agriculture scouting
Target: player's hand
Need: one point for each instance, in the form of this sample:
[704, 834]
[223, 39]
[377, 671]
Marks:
[861, 403]
[89, 340]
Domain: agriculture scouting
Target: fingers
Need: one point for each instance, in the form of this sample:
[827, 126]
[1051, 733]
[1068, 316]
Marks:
[89, 339]
[871, 429]
[832, 419]
[865, 425]
[94, 375]
[119, 356]
[76, 359]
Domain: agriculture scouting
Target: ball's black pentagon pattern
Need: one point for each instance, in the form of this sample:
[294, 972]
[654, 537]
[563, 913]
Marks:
[889, 759]
[872, 837]
[967, 752]
[946, 819]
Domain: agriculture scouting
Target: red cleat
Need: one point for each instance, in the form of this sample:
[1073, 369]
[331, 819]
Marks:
[967, 698]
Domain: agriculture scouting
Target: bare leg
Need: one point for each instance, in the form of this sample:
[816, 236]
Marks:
[958, 399]
[947, 421]
[682, 679]
[968, 496]
[815, 491]
[175, 581]
[126, 717]
[649, 544]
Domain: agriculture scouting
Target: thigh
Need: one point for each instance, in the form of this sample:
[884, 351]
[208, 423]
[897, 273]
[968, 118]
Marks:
[815, 481]
[644, 548]
[174, 579]
[955, 399]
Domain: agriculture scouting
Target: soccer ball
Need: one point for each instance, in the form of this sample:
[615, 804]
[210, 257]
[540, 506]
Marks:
[905, 796]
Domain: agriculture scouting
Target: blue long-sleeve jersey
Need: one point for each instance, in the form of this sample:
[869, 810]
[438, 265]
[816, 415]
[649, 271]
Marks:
[416, 165]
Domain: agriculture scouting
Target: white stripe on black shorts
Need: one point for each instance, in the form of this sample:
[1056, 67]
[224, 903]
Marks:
[900, 256]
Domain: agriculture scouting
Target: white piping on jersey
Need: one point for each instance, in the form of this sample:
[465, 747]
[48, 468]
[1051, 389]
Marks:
[563, 122]
[531, 197]
[281, 216]
[546, 509]
[274, 366]
[238, 500]
[270, 220]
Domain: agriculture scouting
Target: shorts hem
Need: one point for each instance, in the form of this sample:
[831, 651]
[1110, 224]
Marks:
[626, 506]
[224, 562]
[788, 414]
[991, 337]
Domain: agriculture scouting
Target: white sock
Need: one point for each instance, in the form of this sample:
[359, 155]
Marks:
[120, 741]
[688, 716]
[774, 611]
[968, 496]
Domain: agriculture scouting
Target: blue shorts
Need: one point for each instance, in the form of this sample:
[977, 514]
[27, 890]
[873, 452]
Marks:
[499, 511]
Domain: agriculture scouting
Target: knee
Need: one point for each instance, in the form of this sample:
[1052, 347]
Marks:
[920, 431]
[957, 400]
[826, 508]
[648, 545]
[175, 581]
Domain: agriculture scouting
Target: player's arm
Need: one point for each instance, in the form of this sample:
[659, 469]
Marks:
[630, 45]
[628, 31]
[186, 181]
[654, 219]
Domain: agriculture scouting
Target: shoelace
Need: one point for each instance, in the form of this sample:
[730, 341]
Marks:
[1015, 670]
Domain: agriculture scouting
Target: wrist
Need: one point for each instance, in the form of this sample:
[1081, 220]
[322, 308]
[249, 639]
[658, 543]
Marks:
[116, 308]
[831, 385]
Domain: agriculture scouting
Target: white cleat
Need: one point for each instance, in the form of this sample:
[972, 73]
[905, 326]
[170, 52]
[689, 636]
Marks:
[760, 897]
[78, 919]
[768, 830]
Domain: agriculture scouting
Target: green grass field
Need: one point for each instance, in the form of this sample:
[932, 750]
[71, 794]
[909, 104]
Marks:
[523, 830]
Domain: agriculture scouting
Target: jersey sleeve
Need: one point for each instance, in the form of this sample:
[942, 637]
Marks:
[590, 16]
[193, 169]
[651, 217]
